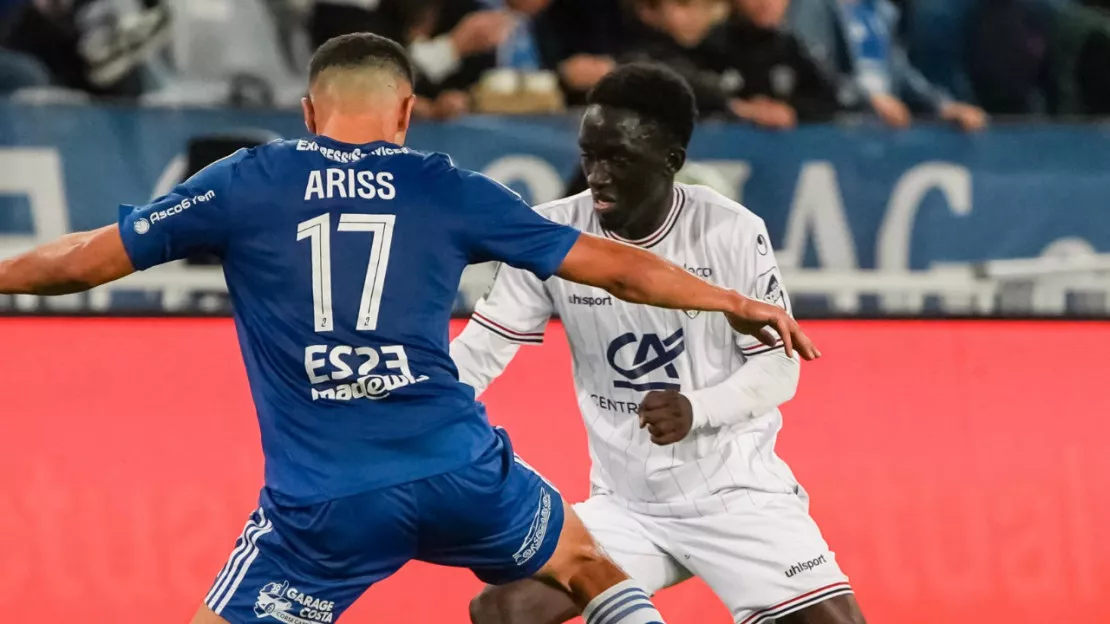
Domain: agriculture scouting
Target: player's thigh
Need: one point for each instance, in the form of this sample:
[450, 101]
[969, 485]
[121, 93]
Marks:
[496, 516]
[764, 557]
[308, 564]
[613, 532]
[622, 537]
[204, 615]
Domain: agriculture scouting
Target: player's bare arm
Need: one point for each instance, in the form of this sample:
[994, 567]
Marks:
[639, 276]
[73, 263]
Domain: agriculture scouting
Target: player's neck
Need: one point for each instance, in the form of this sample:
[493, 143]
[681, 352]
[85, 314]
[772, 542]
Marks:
[650, 219]
[358, 131]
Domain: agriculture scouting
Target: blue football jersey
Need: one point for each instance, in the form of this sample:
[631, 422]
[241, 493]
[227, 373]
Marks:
[343, 263]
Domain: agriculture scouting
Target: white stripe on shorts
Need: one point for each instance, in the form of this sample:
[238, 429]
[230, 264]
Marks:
[242, 572]
[245, 552]
[223, 572]
[535, 472]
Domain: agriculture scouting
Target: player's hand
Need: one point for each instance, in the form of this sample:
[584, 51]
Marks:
[969, 118]
[482, 31]
[756, 318]
[667, 415]
[891, 110]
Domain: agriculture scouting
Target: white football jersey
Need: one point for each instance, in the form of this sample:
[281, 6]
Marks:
[621, 351]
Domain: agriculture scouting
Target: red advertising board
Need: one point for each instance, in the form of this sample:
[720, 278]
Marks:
[959, 469]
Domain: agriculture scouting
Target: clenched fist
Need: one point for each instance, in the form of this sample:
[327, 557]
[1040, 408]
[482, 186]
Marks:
[667, 415]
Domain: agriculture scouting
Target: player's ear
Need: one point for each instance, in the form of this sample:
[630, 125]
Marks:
[676, 159]
[309, 114]
[406, 115]
[407, 105]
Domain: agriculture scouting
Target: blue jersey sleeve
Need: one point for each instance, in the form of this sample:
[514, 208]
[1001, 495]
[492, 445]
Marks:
[500, 226]
[194, 217]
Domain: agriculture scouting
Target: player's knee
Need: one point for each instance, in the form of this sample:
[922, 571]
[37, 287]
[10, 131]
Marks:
[584, 563]
[483, 610]
[495, 605]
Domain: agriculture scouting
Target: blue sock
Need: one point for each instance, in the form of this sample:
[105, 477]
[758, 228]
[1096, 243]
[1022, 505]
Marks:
[623, 603]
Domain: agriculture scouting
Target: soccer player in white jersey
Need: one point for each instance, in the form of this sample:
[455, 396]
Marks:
[681, 414]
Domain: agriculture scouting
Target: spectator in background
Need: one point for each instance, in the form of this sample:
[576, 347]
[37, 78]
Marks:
[1079, 55]
[1006, 57]
[89, 45]
[580, 40]
[858, 40]
[936, 34]
[775, 68]
[20, 71]
[740, 64]
[452, 42]
[17, 71]
[678, 33]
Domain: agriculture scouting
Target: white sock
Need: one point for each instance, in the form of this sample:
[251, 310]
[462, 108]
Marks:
[623, 603]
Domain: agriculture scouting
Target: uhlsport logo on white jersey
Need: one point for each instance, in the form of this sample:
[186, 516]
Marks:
[286, 604]
[638, 358]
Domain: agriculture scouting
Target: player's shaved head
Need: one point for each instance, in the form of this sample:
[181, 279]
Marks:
[362, 51]
[360, 89]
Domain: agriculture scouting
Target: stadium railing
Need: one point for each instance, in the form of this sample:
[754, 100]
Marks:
[1029, 287]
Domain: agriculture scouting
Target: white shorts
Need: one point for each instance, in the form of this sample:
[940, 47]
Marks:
[764, 557]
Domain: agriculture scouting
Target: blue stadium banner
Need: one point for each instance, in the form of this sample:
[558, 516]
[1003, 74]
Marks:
[836, 198]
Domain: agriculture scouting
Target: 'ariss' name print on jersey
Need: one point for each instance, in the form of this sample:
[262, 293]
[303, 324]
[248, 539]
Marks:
[622, 351]
[342, 293]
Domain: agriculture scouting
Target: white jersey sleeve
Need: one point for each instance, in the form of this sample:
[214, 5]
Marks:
[767, 378]
[515, 311]
[757, 276]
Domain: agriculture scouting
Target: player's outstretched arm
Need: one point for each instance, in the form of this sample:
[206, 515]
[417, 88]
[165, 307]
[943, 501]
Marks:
[73, 263]
[639, 276]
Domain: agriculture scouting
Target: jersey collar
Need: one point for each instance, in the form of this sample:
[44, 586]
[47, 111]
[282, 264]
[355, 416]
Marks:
[658, 235]
[367, 147]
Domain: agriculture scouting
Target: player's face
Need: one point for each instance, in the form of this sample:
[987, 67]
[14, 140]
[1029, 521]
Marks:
[628, 163]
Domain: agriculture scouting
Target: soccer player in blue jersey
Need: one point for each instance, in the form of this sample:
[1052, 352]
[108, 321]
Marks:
[342, 254]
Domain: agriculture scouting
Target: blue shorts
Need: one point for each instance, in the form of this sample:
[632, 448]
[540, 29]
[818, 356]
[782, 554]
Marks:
[304, 565]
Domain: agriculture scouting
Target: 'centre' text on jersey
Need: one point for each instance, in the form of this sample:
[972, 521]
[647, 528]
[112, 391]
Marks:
[343, 263]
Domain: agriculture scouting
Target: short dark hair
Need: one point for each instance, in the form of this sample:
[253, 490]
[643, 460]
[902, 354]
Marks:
[653, 91]
[362, 50]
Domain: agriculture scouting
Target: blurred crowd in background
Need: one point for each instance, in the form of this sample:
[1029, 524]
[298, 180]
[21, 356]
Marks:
[773, 63]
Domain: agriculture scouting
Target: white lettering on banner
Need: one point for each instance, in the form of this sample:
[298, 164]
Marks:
[817, 219]
[892, 252]
[818, 211]
[543, 181]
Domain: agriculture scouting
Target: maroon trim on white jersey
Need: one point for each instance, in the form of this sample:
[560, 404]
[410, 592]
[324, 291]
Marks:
[668, 224]
[505, 332]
